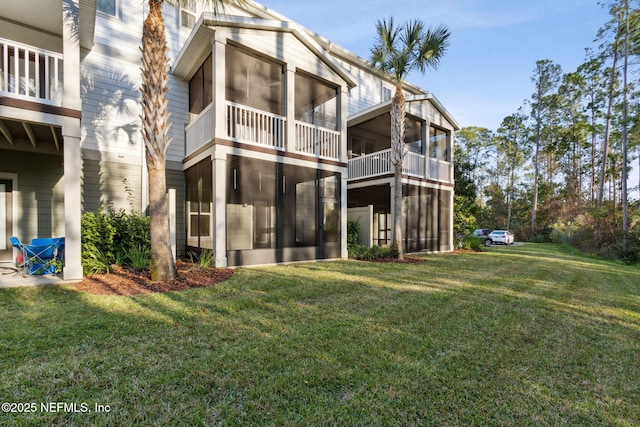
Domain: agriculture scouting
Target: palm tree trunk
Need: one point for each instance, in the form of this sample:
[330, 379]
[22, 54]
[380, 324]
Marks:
[397, 158]
[155, 128]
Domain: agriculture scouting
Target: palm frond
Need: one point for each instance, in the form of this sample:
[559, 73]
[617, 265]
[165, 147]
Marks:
[433, 47]
[398, 50]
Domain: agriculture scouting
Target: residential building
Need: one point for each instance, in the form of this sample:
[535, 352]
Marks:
[276, 133]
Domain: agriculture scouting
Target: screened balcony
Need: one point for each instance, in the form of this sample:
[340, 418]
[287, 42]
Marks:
[30, 73]
[370, 153]
[254, 110]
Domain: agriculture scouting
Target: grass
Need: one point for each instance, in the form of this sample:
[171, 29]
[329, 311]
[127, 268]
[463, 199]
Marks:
[530, 335]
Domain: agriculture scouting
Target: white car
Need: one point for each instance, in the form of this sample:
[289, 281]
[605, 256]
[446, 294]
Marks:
[501, 236]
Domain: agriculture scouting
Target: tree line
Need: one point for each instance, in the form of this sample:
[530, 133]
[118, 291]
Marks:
[558, 168]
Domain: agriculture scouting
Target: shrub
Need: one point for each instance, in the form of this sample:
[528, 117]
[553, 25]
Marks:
[353, 232]
[203, 260]
[373, 253]
[140, 257]
[114, 238]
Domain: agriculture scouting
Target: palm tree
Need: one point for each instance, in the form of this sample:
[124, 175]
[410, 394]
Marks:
[155, 128]
[397, 52]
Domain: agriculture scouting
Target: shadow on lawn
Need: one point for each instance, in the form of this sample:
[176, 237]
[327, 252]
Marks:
[461, 332]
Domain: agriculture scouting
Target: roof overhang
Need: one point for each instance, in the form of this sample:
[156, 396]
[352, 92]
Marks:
[87, 23]
[384, 107]
[199, 42]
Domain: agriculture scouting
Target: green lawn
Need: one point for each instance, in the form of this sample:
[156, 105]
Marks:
[530, 335]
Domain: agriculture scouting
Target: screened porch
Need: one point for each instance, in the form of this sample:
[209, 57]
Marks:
[256, 111]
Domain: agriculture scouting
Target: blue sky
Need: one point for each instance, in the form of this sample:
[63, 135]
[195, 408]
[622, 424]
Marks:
[486, 73]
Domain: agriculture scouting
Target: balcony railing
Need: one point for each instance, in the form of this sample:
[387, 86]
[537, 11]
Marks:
[249, 125]
[246, 124]
[370, 165]
[413, 164]
[379, 163]
[316, 140]
[439, 170]
[200, 130]
[30, 73]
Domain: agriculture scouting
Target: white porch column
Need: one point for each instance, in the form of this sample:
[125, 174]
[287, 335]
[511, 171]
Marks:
[343, 96]
[219, 84]
[71, 140]
[219, 171]
[72, 203]
[290, 108]
[343, 215]
[392, 197]
[425, 146]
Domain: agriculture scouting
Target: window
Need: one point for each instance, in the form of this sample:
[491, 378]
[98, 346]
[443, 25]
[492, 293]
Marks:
[386, 93]
[201, 88]
[188, 14]
[413, 134]
[253, 81]
[108, 7]
[438, 142]
[316, 102]
[199, 204]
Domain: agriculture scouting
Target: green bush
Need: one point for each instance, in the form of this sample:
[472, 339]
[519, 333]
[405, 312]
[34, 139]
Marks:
[202, 260]
[353, 232]
[373, 253]
[114, 237]
[139, 258]
[470, 243]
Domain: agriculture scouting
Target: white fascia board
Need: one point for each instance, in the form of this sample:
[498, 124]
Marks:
[385, 106]
[210, 21]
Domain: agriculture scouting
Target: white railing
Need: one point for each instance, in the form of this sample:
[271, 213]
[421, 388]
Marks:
[439, 170]
[316, 140]
[413, 164]
[30, 73]
[246, 124]
[378, 163]
[200, 130]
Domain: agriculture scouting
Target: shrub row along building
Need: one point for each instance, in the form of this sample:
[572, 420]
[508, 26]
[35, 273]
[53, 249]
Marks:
[278, 134]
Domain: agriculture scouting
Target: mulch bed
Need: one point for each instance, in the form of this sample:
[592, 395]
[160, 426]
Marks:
[126, 282]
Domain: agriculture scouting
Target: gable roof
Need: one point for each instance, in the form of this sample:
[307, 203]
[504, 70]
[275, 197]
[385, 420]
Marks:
[385, 106]
[200, 39]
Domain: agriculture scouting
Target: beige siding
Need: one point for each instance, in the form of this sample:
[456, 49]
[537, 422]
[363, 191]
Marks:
[110, 185]
[40, 193]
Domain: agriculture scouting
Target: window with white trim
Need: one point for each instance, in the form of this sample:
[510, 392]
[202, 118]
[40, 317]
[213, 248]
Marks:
[188, 14]
[108, 7]
[386, 93]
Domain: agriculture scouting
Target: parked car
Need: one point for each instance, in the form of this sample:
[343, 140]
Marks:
[501, 236]
[482, 234]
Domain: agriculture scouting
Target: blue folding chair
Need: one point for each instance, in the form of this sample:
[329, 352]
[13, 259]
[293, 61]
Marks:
[15, 242]
[43, 256]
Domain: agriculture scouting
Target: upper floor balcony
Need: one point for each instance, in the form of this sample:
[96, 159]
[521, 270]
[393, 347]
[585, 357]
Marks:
[414, 165]
[427, 148]
[289, 96]
[30, 73]
[264, 129]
